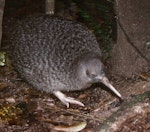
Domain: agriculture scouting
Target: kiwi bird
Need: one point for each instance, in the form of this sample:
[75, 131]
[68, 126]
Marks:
[54, 54]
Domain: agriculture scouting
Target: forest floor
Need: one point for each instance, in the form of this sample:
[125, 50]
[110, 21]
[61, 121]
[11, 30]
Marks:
[23, 108]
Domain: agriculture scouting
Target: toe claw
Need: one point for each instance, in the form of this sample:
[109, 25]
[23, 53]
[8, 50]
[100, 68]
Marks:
[67, 100]
[73, 101]
[67, 104]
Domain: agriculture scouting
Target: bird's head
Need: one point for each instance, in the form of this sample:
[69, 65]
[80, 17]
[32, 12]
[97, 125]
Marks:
[91, 70]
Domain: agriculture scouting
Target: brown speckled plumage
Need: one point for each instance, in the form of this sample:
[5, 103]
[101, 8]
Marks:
[55, 54]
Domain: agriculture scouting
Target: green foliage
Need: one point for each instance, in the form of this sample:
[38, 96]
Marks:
[148, 45]
[10, 114]
[2, 58]
[98, 16]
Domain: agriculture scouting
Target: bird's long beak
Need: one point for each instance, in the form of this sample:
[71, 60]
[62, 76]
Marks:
[106, 82]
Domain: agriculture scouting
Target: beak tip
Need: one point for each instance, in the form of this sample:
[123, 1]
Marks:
[107, 83]
[120, 96]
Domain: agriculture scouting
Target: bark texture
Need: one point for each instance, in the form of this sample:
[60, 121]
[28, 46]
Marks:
[134, 16]
[2, 3]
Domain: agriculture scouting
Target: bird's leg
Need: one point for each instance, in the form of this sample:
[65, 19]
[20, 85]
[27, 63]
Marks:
[66, 100]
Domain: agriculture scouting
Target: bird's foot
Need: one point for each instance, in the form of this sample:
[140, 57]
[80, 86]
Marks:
[66, 100]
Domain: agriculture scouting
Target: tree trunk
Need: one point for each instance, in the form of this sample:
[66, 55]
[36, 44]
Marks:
[49, 7]
[2, 4]
[130, 55]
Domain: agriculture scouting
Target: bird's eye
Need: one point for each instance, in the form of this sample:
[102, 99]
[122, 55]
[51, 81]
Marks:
[90, 75]
[87, 72]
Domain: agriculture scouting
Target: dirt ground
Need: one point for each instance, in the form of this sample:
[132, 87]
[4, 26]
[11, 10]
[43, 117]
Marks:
[23, 108]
